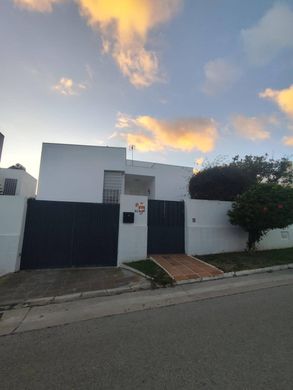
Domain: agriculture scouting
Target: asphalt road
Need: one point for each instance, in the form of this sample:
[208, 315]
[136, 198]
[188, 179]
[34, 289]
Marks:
[242, 341]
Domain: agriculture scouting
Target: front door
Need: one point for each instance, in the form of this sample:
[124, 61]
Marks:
[165, 227]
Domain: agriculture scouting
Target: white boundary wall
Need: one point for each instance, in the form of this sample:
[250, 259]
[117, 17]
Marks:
[277, 239]
[12, 220]
[208, 230]
[132, 242]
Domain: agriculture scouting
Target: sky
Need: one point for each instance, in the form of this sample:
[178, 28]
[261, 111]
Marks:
[186, 81]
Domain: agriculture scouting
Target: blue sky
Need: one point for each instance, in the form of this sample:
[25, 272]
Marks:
[184, 81]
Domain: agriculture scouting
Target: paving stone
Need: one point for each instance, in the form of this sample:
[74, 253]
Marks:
[183, 267]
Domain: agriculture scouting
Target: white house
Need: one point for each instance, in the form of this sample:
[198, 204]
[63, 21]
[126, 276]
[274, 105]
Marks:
[16, 185]
[101, 174]
[17, 182]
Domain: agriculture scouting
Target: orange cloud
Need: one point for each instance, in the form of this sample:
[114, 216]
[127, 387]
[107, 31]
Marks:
[68, 87]
[37, 5]
[125, 28]
[283, 98]
[288, 141]
[253, 128]
[151, 134]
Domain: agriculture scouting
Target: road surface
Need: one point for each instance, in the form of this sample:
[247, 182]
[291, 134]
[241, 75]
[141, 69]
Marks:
[242, 341]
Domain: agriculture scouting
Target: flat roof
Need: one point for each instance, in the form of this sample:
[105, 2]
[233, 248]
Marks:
[117, 147]
[155, 163]
[86, 146]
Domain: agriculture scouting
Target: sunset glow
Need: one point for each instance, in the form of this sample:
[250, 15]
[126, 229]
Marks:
[181, 80]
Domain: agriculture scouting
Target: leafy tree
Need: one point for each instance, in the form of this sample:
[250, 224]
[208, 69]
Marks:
[262, 208]
[226, 181]
[219, 183]
[265, 169]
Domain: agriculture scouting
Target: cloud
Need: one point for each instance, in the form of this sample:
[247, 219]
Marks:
[37, 5]
[219, 76]
[253, 128]
[150, 134]
[125, 29]
[282, 97]
[68, 87]
[288, 141]
[272, 34]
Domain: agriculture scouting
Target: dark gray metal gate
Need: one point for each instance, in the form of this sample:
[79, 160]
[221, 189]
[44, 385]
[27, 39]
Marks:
[165, 227]
[70, 234]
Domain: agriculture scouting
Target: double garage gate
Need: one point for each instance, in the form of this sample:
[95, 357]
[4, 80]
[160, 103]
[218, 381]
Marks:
[71, 234]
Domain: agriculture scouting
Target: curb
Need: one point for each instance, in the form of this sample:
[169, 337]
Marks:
[143, 286]
[163, 268]
[73, 297]
[136, 271]
[234, 274]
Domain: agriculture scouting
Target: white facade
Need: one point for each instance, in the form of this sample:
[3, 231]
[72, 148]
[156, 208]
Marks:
[162, 181]
[21, 181]
[208, 230]
[132, 242]
[77, 173]
[16, 185]
[12, 220]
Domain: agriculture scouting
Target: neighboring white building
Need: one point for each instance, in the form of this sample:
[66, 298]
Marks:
[101, 174]
[16, 185]
[17, 182]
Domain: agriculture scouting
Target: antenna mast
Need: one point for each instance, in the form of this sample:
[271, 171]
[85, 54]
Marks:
[132, 148]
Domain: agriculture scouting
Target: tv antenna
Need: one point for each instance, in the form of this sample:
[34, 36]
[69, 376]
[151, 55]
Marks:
[132, 149]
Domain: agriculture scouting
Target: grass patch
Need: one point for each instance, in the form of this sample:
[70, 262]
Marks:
[238, 261]
[150, 268]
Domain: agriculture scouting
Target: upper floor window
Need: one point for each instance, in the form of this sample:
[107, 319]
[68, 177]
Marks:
[9, 187]
[113, 182]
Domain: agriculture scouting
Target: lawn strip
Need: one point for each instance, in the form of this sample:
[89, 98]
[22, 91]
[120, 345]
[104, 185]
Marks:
[239, 261]
[150, 268]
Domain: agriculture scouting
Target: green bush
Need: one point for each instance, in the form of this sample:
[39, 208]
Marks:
[262, 208]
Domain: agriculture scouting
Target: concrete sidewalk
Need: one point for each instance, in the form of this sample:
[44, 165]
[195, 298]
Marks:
[27, 319]
[26, 286]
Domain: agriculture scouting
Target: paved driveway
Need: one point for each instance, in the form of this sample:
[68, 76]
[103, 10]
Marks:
[24, 285]
[183, 267]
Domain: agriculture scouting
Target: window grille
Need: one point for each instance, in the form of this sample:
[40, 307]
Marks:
[10, 187]
[113, 181]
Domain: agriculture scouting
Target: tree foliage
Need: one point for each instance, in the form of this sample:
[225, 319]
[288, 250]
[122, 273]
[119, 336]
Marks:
[226, 182]
[263, 207]
[219, 183]
[264, 169]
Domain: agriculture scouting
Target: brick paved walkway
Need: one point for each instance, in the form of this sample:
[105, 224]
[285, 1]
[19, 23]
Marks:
[182, 267]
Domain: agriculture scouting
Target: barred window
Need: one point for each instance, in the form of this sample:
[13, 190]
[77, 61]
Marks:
[113, 181]
[10, 187]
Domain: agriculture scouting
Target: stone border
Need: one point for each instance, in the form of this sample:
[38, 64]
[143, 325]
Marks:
[121, 290]
[239, 273]
[136, 271]
[163, 268]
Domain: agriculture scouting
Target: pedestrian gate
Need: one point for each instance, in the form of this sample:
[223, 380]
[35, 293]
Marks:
[70, 234]
[165, 227]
